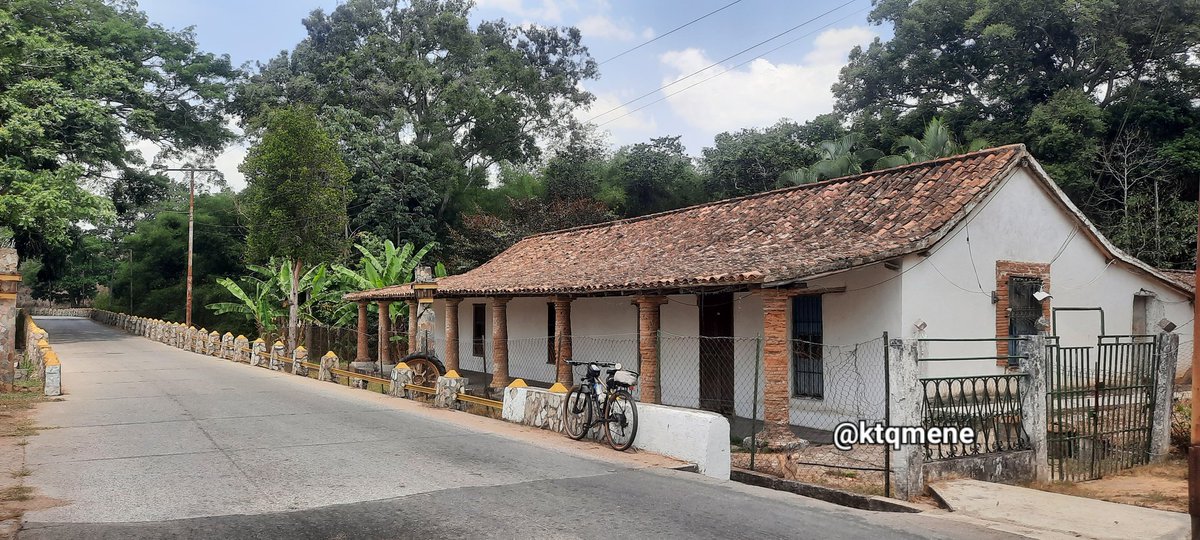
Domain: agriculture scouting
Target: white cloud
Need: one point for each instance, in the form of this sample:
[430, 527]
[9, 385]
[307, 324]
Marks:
[761, 92]
[545, 11]
[626, 126]
[603, 27]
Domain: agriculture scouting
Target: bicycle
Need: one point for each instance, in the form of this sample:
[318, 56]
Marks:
[617, 413]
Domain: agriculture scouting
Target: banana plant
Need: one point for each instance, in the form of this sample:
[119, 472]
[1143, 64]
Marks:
[937, 142]
[394, 266]
[258, 300]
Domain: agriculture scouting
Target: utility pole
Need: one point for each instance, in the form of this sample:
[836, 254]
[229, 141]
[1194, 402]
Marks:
[191, 231]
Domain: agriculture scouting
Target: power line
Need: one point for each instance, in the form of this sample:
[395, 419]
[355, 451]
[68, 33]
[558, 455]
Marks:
[672, 31]
[726, 59]
[702, 81]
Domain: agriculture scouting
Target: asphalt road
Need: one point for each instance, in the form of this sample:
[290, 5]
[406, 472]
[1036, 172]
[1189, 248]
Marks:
[154, 442]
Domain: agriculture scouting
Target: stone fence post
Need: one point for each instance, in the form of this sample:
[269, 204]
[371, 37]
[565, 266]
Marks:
[1166, 347]
[227, 351]
[907, 399]
[448, 387]
[277, 356]
[328, 362]
[240, 348]
[1032, 350]
[257, 350]
[401, 376]
[299, 357]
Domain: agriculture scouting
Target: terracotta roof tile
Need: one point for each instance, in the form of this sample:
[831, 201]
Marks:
[780, 235]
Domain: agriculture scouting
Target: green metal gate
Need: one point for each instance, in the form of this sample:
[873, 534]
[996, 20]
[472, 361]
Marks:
[1100, 404]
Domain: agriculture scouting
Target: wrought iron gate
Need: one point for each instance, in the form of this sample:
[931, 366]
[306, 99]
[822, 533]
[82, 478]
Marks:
[1100, 404]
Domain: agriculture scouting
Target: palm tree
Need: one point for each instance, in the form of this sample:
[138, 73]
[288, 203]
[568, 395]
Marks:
[842, 157]
[937, 142]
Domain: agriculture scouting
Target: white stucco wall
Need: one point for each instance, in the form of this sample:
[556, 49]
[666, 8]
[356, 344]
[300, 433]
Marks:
[1022, 223]
[949, 289]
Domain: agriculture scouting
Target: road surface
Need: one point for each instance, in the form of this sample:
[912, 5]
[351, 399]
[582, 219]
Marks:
[155, 442]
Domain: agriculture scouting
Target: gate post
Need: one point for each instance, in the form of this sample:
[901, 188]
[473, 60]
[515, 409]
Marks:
[908, 462]
[1166, 351]
[1032, 350]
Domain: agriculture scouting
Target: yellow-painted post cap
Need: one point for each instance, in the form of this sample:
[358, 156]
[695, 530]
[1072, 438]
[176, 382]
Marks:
[558, 388]
[517, 383]
[453, 374]
[401, 365]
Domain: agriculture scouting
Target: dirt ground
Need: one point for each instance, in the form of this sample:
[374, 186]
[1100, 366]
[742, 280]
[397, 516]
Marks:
[1160, 485]
[16, 426]
[844, 473]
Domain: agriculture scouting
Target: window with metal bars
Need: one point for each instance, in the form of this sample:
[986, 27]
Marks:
[478, 314]
[808, 365]
[1023, 309]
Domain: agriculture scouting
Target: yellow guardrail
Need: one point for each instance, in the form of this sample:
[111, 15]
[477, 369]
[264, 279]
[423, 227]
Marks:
[422, 389]
[356, 375]
[481, 401]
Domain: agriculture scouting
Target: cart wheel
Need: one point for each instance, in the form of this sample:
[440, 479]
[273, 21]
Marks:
[425, 370]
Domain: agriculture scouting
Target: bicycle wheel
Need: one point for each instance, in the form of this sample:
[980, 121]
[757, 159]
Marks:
[620, 423]
[577, 414]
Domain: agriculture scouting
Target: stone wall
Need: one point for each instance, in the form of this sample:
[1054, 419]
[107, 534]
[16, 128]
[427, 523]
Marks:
[39, 311]
[41, 358]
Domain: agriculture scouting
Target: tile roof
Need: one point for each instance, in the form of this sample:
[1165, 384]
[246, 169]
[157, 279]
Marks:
[1187, 278]
[780, 235]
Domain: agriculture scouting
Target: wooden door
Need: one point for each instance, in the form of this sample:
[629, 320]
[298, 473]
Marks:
[716, 352]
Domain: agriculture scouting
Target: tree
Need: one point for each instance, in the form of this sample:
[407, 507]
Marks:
[258, 299]
[754, 160]
[936, 142]
[79, 79]
[152, 267]
[297, 193]
[652, 177]
[424, 101]
[842, 157]
[993, 61]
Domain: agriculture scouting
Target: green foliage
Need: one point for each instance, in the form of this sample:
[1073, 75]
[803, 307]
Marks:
[754, 160]
[391, 267]
[424, 102]
[844, 156]
[936, 142]
[78, 80]
[296, 190]
[153, 262]
[652, 177]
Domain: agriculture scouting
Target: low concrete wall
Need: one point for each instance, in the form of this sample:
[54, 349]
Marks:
[42, 358]
[1017, 467]
[698, 437]
[58, 312]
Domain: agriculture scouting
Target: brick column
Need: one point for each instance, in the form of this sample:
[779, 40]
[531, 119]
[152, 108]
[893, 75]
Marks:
[363, 354]
[562, 339]
[385, 327]
[649, 319]
[775, 364]
[500, 342]
[452, 333]
[413, 307]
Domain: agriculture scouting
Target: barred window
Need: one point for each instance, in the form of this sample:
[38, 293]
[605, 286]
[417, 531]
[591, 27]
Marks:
[808, 366]
[478, 314]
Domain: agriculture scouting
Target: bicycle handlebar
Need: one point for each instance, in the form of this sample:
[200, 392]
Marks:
[601, 364]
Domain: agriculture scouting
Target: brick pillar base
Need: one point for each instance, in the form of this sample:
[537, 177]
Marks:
[562, 341]
[362, 354]
[499, 342]
[776, 360]
[452, 333]
[385, 330]
[649, 319]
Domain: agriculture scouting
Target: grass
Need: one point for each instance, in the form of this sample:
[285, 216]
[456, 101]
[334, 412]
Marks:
[16, 493]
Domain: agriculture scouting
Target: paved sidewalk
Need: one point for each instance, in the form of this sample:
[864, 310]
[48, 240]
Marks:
[1059, 516]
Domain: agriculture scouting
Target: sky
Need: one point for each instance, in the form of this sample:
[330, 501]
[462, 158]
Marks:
[695, 82]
